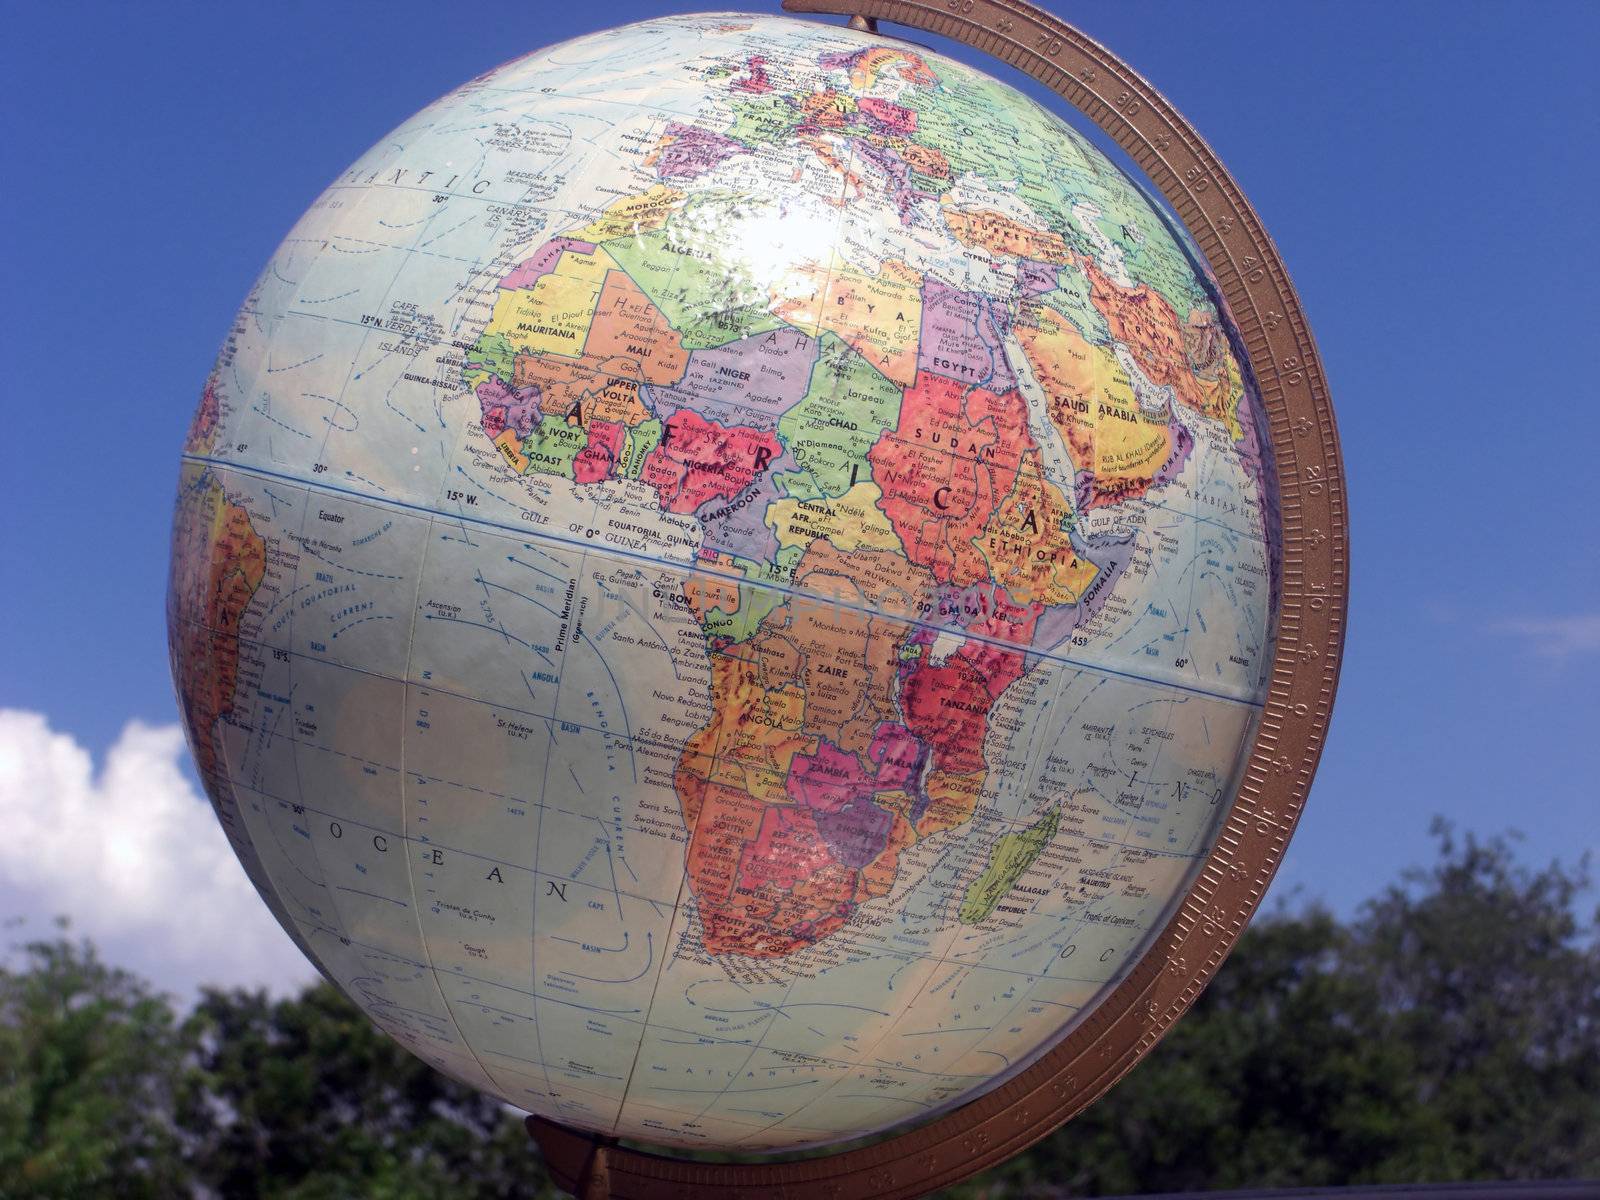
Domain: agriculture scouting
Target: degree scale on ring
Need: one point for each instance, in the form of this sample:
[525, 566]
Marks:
[1309, 645]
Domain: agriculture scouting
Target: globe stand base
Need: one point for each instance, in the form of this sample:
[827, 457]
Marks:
[578, 1162]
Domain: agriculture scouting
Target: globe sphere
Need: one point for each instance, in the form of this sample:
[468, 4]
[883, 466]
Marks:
[722, 579]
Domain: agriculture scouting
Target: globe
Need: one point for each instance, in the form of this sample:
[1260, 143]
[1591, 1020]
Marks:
[722, 581]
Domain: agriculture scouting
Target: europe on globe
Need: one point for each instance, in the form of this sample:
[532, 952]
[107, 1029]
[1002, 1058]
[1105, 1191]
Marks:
[723, 580]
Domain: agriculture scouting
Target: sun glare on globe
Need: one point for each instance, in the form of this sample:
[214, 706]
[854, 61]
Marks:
[723, 579]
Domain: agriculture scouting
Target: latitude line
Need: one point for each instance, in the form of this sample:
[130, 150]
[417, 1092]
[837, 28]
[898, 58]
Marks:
[1049, 476]
[677, 565]
[637, 740]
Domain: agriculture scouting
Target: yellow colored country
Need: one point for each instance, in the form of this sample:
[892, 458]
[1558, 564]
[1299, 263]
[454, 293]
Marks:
[1028, 550]
[510, 447]
[633, 215]
[553, 316]
[1091, 401]
[851, 522]
[878, 315]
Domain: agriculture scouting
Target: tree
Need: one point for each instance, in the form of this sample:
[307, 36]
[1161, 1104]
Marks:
[1488, 977]
[104, 1094]
[303, 1099]
[1451, 1032]
[90, 1061]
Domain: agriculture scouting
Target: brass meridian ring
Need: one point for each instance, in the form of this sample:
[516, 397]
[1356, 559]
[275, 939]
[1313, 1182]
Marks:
[1294, 723]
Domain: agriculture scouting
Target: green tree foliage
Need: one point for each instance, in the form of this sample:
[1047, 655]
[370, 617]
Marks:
[303, 1099]
[1451, 1031]
[90, 1060]
[104, 1094]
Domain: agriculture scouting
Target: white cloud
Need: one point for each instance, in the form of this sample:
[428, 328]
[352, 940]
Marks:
[1556, 637]
[133, 855]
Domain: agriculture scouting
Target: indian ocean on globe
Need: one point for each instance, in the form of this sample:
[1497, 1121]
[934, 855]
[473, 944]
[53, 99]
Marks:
[722, 581]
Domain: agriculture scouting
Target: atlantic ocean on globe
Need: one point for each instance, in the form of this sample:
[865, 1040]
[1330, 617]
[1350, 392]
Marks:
[722, 580]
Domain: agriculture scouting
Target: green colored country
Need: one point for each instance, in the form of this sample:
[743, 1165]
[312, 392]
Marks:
[691, 271]
[756, 601]
[755, 604]
[1150, 251]
[491, 354]
[931, 185]
[642, 438]
[845, 410]
[985, 130]
[552, 446]
[1071, 300]
[1012, 855]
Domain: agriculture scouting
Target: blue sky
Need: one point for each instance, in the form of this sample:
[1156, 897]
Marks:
[1429, 171]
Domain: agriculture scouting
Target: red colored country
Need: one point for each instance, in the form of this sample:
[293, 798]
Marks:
[754, 78]
[952, 458]
[787, 852]
[948, 705]
[600, 454]
[218, 562]
[698, 460]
